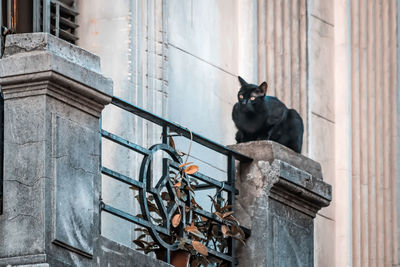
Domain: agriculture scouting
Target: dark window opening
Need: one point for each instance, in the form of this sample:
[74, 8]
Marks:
[54, 16]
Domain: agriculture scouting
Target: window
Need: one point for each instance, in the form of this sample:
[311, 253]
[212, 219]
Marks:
[54, 16]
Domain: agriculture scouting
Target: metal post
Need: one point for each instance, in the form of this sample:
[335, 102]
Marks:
[231, 201]
[1, 149]
[9, 13]
[46, 16]
[57, 29]
[36, 16]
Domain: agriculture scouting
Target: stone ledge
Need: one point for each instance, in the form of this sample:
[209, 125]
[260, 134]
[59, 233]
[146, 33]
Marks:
[270, 151]
[48, 53]
[281, 174]
[114, 254]
[33, 42]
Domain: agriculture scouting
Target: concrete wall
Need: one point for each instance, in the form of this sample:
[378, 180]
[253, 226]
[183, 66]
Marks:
[328, 59]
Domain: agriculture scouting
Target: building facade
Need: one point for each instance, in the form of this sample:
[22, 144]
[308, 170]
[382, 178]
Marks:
[335, 61]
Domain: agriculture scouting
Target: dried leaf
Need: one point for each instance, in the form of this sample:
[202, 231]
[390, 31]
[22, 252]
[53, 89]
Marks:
[192, 229]
[192, 169]
[226, 214]
[232, 219]
[225, 230]
[185, 164]
[178, 192]
[176, 220]
[226, 207]
[178, 184]
[199, 247]
[240, 239]
[171, 142]
[141, 237]
[220, 215]
[139, 243]
[217, 206]
[182, 243]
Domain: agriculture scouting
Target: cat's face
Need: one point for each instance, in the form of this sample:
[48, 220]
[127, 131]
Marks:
[250, 95]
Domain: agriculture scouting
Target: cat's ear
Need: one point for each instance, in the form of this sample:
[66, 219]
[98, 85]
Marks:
[263, 87]
[242, 81]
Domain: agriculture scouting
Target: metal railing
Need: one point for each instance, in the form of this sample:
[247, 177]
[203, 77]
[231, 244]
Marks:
[144, 183]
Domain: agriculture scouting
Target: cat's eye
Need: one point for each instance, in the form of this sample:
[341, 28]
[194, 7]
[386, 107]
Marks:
[252, 98]
[241, 96]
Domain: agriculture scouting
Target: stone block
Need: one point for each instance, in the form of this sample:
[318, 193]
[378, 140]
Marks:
[322, 9]
[208, 23]
[321, 69]
[53, 96]
[280, 193]
[75, 169]
[322, 149]
[324, 232]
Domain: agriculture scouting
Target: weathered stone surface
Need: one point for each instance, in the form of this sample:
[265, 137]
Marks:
[280, 193]
[114, 254]
[34, 42]
[77, 164]
[33, 56]
[51, 150]
[269, 151]
[52, 179]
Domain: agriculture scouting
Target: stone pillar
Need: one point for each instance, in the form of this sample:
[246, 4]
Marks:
[53, 97]
[280, 193]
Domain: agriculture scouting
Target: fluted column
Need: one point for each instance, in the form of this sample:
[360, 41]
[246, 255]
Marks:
[374, 135]
[282, 53]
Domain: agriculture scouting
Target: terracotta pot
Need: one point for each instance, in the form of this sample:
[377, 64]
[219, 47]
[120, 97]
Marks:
[179, 258]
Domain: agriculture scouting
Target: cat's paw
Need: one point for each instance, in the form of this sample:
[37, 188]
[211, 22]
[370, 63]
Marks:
[239, 137]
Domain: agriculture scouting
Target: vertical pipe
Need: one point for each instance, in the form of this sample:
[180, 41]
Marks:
[46, 16]
[1, 150]
[57, 26]
[9, 13]
[36, 16]
[231, 201]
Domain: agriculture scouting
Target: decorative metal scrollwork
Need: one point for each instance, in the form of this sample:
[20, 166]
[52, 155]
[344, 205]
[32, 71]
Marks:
[145, 177]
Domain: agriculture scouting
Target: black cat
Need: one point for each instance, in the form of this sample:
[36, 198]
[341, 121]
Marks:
[261, 117]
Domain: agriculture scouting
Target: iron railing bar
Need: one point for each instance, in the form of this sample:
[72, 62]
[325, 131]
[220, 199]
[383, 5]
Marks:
[120, 177]
[132, 218]
[206, 186]
[125, 143]
[222, 256]
[231, 201]
[173, 127]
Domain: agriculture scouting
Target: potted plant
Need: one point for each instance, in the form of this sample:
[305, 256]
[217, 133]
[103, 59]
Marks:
[195, 234]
